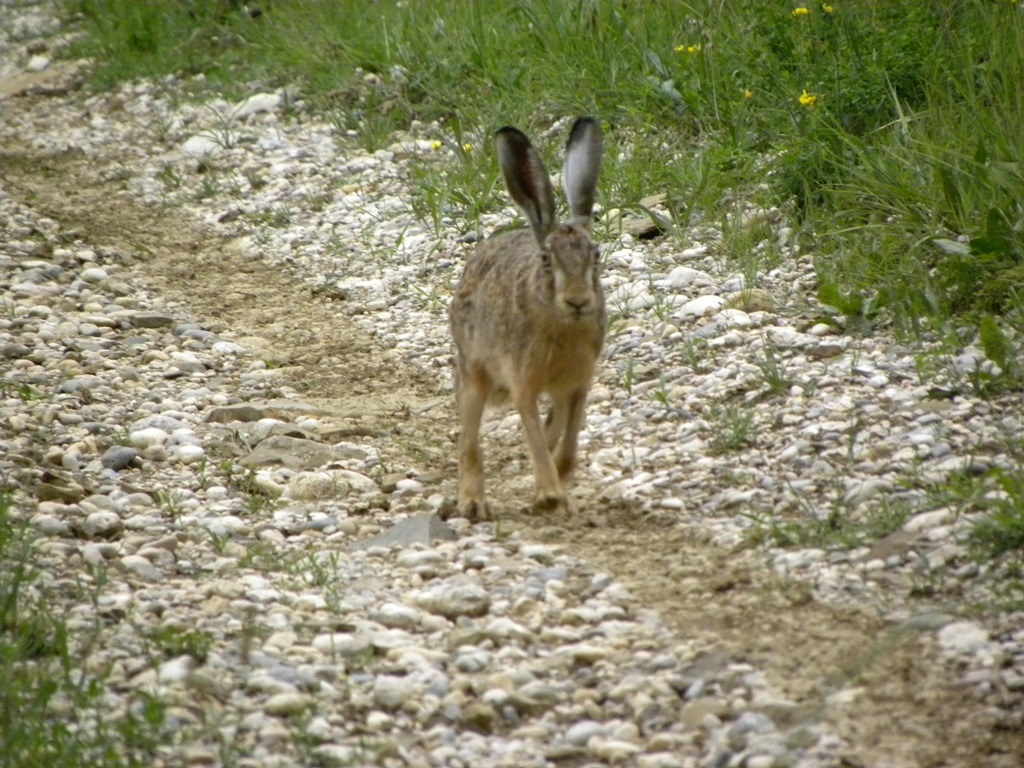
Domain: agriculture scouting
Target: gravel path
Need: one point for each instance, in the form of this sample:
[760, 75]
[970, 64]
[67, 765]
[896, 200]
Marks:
[225, 411]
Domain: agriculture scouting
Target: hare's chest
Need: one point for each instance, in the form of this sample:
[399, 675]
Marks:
[571, 365]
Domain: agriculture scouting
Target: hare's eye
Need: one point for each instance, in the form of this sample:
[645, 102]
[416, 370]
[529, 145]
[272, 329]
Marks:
[596, 255]
[545, 259]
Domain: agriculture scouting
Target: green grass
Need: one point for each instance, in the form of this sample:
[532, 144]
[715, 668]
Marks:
[892, 132]
[992, 500]
[51, 712]
[996, 498]
[733, 427]
[839, 529]
[996, 535]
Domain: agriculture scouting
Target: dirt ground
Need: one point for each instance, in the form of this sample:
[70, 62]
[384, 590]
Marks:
[899, 706]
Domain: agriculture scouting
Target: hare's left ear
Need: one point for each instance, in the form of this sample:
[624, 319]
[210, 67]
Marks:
[527, 180]
[582, 165]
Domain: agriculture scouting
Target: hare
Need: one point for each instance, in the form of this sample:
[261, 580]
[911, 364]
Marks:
[528, 318]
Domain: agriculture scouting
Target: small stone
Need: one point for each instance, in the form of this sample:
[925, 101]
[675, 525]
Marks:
[258, 102]
[538, 552]
[50, 525]
[60, 489]
[583, 731]
[288, 704]
[659, 760]
[927, 622]
[84, 383]
[337, 755]
[612, 750]
[962, 637]
[686, 277]
[330, 484]
[102, 525]
[201, 147]
[225, 414]
[13, 350]
[377, 722]
[343, 644]
[479, 717]
[265, 483]
[119, 457]
[150, 320]
[141, 567]
[859, 491]
[702, 306]
[228, 348]
[175, 670]
[694, 713]
[587, 653]
[281, 641]
[37, 63]
[94, 275]
[751, 300]
[409, 486]
[452, 599]
[144, 438]
[390, 692]
[747, 725]
[189, 454]
[825, 350]
[94, 554]
[928, 520]
[397, 615]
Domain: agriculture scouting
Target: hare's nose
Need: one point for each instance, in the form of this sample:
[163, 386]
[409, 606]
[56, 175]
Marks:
[579, 303]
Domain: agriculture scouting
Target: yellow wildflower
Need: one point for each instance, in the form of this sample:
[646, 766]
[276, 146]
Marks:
[827, 8]
[690, 49]
[808, 99]
[801, 11]
[467, 147]
[747, 93]
[436, 145]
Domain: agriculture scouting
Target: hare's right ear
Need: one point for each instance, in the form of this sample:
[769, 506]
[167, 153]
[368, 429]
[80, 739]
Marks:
[582, 164]
[526, 179]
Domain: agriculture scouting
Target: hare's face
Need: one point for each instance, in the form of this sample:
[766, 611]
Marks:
[572, 263]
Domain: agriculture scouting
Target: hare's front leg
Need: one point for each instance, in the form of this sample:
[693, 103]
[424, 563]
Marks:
[550, 494]
[472, 397]
[554, 425]
[575, 411]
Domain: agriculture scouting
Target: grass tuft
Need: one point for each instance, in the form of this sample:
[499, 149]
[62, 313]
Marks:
[51, 713]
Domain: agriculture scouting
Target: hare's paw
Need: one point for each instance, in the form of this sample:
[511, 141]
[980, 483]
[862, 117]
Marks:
[475, 510]
[552, 504]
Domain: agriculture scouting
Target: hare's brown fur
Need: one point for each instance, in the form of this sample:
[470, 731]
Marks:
[528, 320]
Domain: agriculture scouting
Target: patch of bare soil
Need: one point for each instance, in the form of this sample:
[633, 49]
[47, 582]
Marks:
[884, 691]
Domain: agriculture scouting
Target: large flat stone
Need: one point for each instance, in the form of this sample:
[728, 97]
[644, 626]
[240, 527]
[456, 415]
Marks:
[422, 529]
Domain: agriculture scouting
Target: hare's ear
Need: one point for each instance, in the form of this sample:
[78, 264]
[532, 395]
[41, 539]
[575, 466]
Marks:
[526, 179]
[582, 165]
